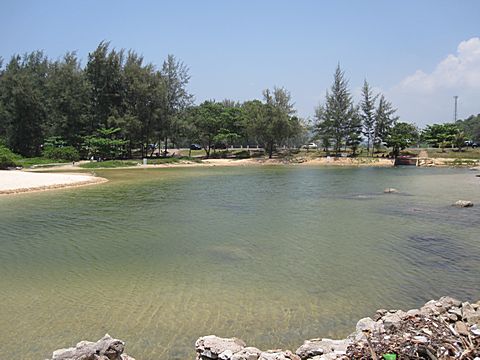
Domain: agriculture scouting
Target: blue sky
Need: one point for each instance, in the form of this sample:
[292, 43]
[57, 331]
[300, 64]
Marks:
[234, 49]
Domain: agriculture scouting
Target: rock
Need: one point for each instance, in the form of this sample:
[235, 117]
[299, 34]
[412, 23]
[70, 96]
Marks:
[452, 317]
[248, 353]
[461, 328]
[413, 313]
[469, 314]
[391, 321]
[278, 355]
[107, 348]
[390, 190]
[365, 325]
[315, 347]
[455, 311]
[448, 302]
[211, 347]
[463, 203]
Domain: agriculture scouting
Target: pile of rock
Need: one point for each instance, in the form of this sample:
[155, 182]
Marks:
[443, 329]
[107, 348]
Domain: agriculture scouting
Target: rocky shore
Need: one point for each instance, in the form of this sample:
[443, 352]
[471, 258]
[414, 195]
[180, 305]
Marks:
[441, 329]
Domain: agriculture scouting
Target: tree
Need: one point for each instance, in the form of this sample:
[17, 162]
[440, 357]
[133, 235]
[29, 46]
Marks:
[385, 119]
[177, 98]
[401, 136]
[67, 91]
[440, 135]
[323, 128]
[144, 102]
[275, 121]
[207, 123]
[471, 127]
[367, 107]
[105, 144]
[24, 102]
[354, 130]
[337, 113]
[104, 73]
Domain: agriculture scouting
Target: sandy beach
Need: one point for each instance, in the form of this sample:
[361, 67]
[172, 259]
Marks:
[14, 181]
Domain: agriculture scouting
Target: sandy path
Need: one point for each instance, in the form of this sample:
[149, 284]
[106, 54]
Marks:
[13, 181]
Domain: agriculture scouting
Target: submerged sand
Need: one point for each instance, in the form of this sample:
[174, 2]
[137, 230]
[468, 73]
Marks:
[14, 181]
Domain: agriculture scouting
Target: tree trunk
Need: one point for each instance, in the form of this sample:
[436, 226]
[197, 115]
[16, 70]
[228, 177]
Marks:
[166, 146]
[270, 150]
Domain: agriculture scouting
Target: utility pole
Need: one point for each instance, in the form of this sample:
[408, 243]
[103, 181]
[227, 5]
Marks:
[455, 111]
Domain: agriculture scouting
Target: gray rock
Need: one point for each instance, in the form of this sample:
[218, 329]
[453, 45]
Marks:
[317, 347]
[469, 314]
[463, 203]
[248, 353]
[390, 190]
[449, 302]
[211, 347]
[413, 313]
[365, 325]
[278, 355]
[392, 321]
[107, 348]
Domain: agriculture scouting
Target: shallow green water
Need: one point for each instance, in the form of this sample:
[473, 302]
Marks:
[273, 255]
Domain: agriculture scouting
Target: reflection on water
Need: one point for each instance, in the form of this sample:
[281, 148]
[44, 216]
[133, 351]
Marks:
[273, 255]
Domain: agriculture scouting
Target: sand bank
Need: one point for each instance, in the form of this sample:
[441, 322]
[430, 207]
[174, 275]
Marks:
[14, 181]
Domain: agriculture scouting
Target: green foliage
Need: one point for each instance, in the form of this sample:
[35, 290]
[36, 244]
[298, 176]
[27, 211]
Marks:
[105, 145]
[440, 135]
[470, 127]
[401, 136]
[367, 107]
[338, 121]
[61, 153]
[7, 158]
[385, 119]
[275, 121]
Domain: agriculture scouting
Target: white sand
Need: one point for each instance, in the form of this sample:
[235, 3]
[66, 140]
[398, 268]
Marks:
[14, 181]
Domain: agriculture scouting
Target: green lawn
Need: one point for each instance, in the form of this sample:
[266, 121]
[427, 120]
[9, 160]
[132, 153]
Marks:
[39, 162]
[109, 164]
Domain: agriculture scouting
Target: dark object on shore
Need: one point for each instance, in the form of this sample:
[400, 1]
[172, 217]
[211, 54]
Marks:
[463, 203]
[405, 160]
[106, 348]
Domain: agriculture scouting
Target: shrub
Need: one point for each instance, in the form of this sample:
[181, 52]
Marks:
[61, 153]
[7, 158]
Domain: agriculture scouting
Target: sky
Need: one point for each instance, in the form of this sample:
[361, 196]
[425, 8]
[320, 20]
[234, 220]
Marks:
[419, 53]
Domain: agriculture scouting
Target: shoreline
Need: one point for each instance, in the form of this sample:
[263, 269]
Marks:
[442, 329]
[20, 182]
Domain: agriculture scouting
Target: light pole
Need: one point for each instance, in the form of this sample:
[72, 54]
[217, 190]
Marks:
[455, 111]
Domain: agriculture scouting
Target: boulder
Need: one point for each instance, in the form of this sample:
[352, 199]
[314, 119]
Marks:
[107, 348]
[214, 347]
[248, 353]
[390, 190]
[463, 203]
[322, 347]
[278, 355]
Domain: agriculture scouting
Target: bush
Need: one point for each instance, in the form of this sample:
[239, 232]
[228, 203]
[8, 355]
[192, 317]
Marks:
[61, 153]
[7, 158]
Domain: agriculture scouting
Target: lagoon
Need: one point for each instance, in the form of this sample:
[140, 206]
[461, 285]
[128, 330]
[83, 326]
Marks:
[271, 254]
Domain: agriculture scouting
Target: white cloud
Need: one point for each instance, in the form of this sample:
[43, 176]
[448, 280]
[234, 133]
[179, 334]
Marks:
[428, 97]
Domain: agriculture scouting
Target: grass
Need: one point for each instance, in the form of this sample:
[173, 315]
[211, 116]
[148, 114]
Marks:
[466, 153]
[39, 162]
[171, 160]
[109, 164]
